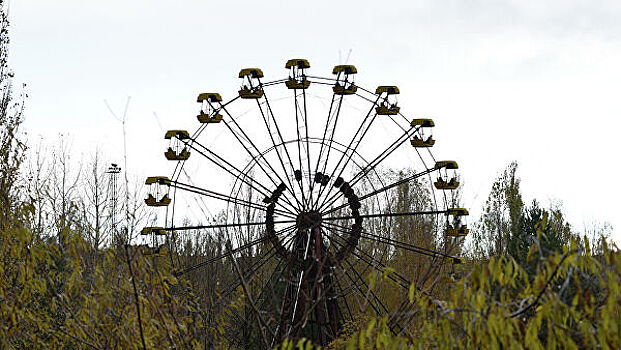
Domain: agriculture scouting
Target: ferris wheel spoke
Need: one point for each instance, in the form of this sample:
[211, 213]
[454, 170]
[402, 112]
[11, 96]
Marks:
[229, 225]
[264, 289]
[308, 160]
[329, 121]
[372, 261]
[351, 148]
[385, 215]
[403, 316]
[235, 250]
[270, 113]
[280, 158]
[356, 287]
[378, 191]
[297, 130]
[389, 241]
[226, 198]
[322, 291]
[224, 164]
[251, 270]
[310, 292]
[344, 298]
[258, 156]
[388, 151]
[248, 145]
[362, 284]
[371, 100]
[369, 167]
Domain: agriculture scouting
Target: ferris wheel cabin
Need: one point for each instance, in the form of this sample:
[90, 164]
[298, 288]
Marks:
[344, 80]
[388, 106]
[157, 231]
[177, 149]
[297, 76]
[423, 129]
[154, 252]
[453, 260]
[208, 113]
[459, 227]
[158, 191]
[251, 84]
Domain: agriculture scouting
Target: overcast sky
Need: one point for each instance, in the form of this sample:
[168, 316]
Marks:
[532, 81]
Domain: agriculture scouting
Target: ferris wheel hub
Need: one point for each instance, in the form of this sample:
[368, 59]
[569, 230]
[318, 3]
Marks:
[308, 220]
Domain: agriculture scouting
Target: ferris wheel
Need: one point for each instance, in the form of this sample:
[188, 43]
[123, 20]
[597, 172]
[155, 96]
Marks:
[294, 181]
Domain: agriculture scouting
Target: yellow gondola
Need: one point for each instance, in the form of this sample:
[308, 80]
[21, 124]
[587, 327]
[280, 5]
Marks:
[390, 90]
[418, 142]
[345, 69]
[448, 164]
[295, 84]
[300, 63]
[154, 202]
[206, 118]
[212, 97]
[422, 141]
[251, 73]
[460, 231]
[158, 231]
[423, 122]
[250, 93]
[180, 134]
[297, 79]
[154, 252]
[251, 90]
[441, 184]
[158, 182]
[343, 86]
[457, 212]
[162, 180]
[212, 115]
[342, 90]
[173, 153]
[453, 260]
[387, 109]
[387, 106]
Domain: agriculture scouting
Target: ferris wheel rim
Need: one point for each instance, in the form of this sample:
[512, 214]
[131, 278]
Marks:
[329, 201]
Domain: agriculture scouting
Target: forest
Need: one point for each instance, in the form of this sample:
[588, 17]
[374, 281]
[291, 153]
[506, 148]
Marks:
[72, 276]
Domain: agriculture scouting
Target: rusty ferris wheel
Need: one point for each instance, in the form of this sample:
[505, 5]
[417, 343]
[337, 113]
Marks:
[293, 168]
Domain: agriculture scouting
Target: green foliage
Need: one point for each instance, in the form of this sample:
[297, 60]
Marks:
[81, 298]
[530, 283]
[11, 111]
[501, 215]
[501, 306]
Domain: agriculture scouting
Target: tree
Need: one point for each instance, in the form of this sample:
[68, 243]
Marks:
[501, 215]
[500, 306]
[11, 112]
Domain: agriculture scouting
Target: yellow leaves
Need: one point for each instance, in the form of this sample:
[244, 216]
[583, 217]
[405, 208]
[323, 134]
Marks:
[541, 225]
[532, 251]
[411, 291]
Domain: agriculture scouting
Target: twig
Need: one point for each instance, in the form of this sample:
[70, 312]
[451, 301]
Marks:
[534, 302]
[77, 339]
[131, 271]
[248, 296]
